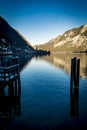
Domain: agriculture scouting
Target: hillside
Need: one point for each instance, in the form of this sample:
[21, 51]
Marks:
[74, 40]
[12, 38]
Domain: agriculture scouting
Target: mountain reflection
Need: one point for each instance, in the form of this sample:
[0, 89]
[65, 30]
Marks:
[63, 61]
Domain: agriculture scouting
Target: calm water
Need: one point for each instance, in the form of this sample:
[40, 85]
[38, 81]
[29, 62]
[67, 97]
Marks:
[45, 91]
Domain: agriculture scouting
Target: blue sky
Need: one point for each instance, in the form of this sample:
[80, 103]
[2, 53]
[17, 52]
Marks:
[41, 20]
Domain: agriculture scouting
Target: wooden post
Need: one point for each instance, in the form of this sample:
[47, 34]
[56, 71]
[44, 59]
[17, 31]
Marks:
[2, 92]
[9, 73]
[15, 86]
[75, 71]
[17, 60]
[78, 71]
[19, 87]
[4, 74]
[71, 80]
[74, 86]
[11, 89]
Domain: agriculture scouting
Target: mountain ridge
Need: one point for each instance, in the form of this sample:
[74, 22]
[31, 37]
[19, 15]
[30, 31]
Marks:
[12, 36]
[73, 40]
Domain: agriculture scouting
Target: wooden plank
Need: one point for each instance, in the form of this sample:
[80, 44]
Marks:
[11, 66]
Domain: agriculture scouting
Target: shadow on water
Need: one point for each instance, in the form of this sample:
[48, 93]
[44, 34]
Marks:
[24, 59]
[10, 90]
[74, 101]
[10, 102]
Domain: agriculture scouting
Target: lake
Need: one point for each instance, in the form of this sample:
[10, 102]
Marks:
[46, 96]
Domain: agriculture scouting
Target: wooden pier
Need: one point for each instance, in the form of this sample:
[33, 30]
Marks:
[9, 68]
[10, 87]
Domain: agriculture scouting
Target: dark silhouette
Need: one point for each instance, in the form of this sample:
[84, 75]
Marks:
[10, 90]
[10, 104]
[74, 101]
[75, 70]
[74, 86]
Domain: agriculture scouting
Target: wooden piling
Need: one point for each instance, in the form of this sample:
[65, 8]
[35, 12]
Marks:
[10, 80]
[74, 86]
[15, 87]
[19, 87]
[71, 80]
[75, 71]
[78, 71]
[2, 92]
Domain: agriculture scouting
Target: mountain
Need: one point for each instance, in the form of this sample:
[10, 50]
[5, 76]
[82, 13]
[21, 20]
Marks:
[10, 37]
[74, 40]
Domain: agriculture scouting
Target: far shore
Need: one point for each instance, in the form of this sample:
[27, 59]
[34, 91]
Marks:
[70, 52]
[43, 53]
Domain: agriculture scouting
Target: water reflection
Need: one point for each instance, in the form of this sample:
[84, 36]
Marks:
[10, 102]
[63, 61]
[24, 60]
[74, 101]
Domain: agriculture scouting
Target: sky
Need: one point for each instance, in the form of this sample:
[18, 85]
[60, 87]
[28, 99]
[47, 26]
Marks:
[41, 20]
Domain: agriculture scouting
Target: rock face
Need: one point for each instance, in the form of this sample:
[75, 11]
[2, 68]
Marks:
[74, 40]
[11, 37]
